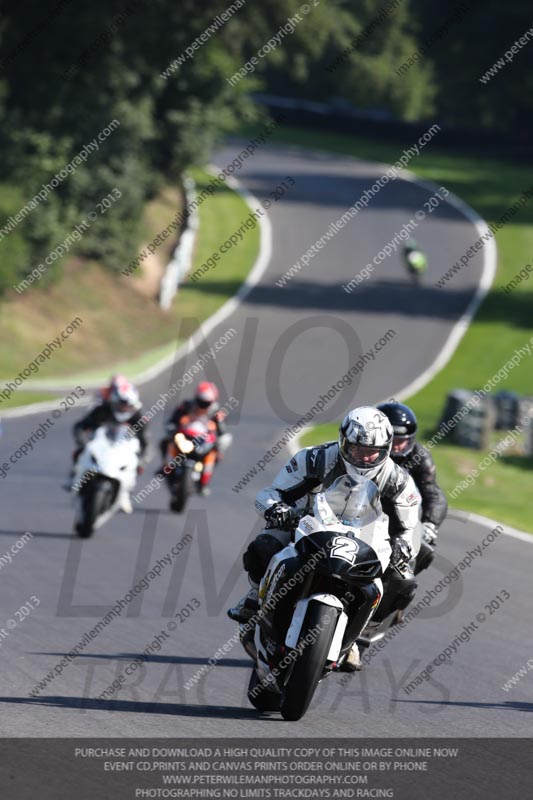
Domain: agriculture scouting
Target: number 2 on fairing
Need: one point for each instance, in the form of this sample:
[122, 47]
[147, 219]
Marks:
[342, 547]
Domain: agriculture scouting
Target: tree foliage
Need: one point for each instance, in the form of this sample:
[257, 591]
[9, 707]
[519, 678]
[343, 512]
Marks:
[68, 69]
[462, 52]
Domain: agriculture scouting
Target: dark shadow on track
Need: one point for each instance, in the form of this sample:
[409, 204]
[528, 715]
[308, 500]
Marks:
[369, 297]
[504, 706]
[156, 659]
[488, 198]
[343, 191]
[173, 709]
[44, 534]
[148, 511]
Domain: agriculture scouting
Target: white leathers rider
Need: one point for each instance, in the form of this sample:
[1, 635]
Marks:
[363, 449]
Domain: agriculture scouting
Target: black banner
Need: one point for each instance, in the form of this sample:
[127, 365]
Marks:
[127, 769]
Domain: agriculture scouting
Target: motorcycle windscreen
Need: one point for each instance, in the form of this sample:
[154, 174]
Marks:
[354, 501]
[116, 433]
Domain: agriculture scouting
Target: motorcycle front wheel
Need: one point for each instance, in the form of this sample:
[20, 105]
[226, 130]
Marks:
[309, 665]
[181, 490]
[96, 497]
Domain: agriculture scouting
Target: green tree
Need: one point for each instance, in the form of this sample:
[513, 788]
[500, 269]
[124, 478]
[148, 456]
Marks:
[13, 246]
[339, 52]
[462, 51]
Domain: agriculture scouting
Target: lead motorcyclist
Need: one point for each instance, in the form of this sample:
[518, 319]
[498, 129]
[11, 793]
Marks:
[119, 402]
[417, 460]
[363, 449]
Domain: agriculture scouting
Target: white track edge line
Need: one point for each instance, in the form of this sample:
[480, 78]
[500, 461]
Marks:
[486, 522]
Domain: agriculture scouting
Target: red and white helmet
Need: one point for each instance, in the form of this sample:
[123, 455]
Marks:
[206, 395]
[123, 398]
[104, 393]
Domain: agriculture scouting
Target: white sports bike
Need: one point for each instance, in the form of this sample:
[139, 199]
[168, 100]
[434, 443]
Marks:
[104, 475]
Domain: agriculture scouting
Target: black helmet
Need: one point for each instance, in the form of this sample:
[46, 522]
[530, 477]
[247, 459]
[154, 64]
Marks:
[404, 425]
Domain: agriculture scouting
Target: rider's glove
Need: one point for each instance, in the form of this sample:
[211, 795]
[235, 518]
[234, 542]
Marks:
[401, 552]
[81, 436]
[280, 515]
[430, 533]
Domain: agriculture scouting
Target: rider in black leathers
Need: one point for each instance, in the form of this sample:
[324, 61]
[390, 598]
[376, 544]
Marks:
[417, 461]
[119, 402]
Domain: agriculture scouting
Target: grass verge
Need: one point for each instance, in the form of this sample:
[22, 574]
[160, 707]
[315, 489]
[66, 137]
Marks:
[123, 329]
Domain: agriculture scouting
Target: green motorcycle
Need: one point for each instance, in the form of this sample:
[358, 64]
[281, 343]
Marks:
[416, 261]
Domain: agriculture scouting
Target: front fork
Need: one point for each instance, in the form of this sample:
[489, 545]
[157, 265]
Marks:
[371, 595]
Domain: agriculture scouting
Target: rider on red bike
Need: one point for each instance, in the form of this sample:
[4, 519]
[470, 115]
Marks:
[203, 410]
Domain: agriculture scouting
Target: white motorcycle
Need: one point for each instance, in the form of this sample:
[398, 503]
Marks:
[318, 595]
[105, 471]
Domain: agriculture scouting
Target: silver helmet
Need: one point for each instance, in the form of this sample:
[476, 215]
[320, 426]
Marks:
[365, 440]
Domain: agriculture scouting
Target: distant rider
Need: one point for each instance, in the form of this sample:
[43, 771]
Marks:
[118, 403]
[203, 408]
[415, 259]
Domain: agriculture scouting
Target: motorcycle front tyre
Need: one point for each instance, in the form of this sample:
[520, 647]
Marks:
[309, 665]
[95, 499]
[182, 489]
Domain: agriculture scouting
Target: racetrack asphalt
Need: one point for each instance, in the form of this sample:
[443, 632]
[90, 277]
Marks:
[292, 345]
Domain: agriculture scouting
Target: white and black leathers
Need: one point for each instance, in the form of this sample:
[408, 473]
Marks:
[313, 469]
